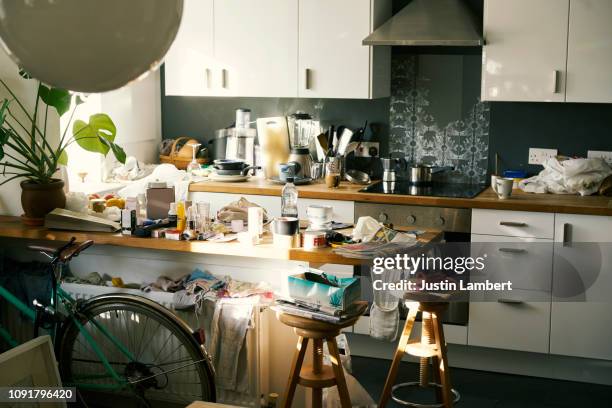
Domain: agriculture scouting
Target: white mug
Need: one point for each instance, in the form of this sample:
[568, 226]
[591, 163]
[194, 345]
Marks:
[494, 182]
[503, 187]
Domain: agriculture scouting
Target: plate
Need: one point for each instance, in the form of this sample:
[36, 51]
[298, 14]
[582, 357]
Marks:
[229, 179]
[297, 182]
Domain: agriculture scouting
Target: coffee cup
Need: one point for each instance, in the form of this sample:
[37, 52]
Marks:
[503, 187]
[494, 182]
[286, 226]
[286, 170]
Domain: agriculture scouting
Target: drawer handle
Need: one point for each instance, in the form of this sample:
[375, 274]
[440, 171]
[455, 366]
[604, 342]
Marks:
[512, 224]
[567, 235]
[510, 301]
[513, 250]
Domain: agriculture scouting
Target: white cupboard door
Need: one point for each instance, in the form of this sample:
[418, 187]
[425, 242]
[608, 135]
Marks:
[189, 64]
[256, 47]
[589, 51]
[581, 321]
[332, 61]
[525, 52]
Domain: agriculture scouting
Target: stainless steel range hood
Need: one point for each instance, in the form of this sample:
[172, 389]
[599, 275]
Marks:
[429, 23]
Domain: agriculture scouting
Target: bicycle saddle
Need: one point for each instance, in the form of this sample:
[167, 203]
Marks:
[63, 253]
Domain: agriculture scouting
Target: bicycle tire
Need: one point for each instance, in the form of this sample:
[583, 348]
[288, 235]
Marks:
[132, 307]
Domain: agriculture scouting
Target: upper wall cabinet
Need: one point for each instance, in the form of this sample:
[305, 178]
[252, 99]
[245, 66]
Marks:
[525, 50]
[547, 51]
[190, 64]
[332, 61]
[589, 49]
[279, 48]
[256, 47]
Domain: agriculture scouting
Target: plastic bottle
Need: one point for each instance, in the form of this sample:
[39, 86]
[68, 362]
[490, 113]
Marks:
[180, 216]
[172, 215]
[289, 199]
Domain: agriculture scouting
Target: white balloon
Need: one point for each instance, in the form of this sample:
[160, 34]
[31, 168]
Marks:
[88, 45]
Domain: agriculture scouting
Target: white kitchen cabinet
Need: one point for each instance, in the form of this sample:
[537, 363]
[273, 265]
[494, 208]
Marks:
[589, 51]
[525, 52]
[517, 319]
[333, 63]
[256, 47]
[581, 318]
[190, 68]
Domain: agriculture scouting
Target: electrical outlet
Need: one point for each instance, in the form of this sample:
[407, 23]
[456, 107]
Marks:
[539, 156]
[607, 156]
[368, 149]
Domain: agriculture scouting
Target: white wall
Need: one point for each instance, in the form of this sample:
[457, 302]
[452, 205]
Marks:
[136, 111]
[25, 90]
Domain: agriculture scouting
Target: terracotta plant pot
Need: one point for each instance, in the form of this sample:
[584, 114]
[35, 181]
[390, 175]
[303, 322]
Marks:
[38, 200]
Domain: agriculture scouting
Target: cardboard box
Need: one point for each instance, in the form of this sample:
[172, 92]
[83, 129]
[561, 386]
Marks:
[322, 295]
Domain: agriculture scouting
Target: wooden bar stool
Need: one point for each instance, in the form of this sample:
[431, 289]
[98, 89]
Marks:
[431, 346]
[317, 376]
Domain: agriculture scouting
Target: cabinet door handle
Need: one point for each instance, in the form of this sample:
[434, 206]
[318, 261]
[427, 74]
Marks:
[512, 224]
[224, 78]
[510, 301]
[207, 71]
[555, 82]
[567, 235]
[307, 78]
[513, 250]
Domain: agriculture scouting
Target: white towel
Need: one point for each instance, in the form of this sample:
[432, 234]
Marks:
[229, 327]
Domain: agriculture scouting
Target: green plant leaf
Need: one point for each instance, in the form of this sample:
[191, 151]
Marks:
[63, 158]
[98, 135]
[3, 109]
[117, 150]
[58, 98]
[87, 137]
[4, 136]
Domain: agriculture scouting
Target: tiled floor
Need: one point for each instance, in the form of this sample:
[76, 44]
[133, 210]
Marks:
[481, 389]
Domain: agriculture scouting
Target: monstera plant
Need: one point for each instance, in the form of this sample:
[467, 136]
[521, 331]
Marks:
[30, 152]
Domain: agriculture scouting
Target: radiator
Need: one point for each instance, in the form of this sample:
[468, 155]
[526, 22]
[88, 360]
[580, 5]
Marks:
[256, 349]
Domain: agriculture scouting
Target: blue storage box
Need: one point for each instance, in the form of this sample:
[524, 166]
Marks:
[323, 296]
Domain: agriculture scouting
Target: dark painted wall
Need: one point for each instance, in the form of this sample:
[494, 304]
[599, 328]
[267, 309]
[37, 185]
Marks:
[572, 128]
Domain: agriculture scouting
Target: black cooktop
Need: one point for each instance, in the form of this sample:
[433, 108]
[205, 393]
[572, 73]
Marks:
[451, 190]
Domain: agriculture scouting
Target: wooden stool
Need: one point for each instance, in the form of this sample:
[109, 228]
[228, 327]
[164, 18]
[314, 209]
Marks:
[431, 346]
[317, 376]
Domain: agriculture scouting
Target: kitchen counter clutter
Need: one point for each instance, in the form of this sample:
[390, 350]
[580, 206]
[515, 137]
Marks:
[519, 201]
[12, 227]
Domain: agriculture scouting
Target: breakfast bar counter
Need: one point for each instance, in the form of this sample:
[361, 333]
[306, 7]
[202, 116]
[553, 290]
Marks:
[12, 227]
[519, 201]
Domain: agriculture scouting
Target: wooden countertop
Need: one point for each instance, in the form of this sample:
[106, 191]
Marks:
[11, 227]
[519, 201]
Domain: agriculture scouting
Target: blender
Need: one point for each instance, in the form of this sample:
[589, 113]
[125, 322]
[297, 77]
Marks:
[302, 130]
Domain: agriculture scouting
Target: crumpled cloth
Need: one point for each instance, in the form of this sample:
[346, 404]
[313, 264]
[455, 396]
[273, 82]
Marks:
[229, 326]
[571, 176]
[238, 210]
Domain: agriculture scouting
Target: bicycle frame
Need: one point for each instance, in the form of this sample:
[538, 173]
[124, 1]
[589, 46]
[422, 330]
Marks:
[65, 298]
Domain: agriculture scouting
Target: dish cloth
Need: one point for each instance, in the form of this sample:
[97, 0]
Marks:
[227, 346]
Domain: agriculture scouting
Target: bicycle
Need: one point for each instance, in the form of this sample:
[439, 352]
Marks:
[122, 344]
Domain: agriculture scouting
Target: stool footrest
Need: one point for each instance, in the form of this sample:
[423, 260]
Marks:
[456, 396]
[324, 379]
[418, 349]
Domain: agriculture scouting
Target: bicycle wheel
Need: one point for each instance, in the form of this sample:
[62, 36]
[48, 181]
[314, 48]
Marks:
[168, 367]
